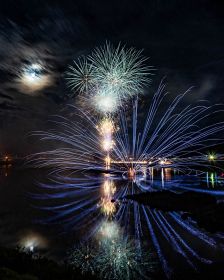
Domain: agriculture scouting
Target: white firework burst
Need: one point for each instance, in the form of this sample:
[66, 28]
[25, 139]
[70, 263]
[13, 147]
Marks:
[80, 75]
[120, 70]
[109, 76]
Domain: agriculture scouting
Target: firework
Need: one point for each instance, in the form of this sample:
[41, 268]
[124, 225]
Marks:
[109, 187]
[109, 230]
[81, 145]
[105, 101]
[107, 207]
[168, 138]
[113, 260]
[171, 136]
[81, 212]
[109, 76]
[106, 129]
[106, 126]
[118, 259]
[121, 70]
[80, 75]
[83, 257]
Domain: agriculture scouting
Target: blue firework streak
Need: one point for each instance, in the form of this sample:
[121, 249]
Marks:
[167, 141]
[82, 212]
[170, 137]
[179, 135]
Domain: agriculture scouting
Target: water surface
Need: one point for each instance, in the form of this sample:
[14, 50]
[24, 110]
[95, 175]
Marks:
[51, 217]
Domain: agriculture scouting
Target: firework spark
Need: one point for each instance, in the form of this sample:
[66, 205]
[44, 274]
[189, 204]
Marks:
[167, 138]
[105, 102]
[109, 230]
[121, 70]
[107, 207]
[83, 257]
[118, 260]
[106, 130]
[109, 76]
[114, 259]
[80, 75]
[172, 137]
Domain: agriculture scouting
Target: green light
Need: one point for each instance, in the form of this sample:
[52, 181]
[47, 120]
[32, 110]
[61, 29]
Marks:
[212, 179]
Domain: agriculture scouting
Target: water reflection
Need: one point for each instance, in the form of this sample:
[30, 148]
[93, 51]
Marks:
[111, 255]
[5, 170]
[108, 230]
[82, 204]
[211, 179]
[108, 208]
[165, 175]
[32, 241]
[113, 259]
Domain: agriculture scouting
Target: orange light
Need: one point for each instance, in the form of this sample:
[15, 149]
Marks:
[131, 172]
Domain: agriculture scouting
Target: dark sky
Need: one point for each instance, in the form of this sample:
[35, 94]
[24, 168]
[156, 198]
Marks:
[184, 40]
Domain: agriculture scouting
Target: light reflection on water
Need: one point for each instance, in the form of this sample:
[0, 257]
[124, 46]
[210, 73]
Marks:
[81, 207]
[108, 190]
[5, 170]
[212, 179]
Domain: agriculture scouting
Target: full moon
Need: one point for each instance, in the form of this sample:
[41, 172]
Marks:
[33, 78]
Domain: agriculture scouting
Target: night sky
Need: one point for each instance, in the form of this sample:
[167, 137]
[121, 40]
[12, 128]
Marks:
[184, 40]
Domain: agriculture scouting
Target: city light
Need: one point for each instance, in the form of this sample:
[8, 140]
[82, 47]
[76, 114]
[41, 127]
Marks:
[212, 156]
